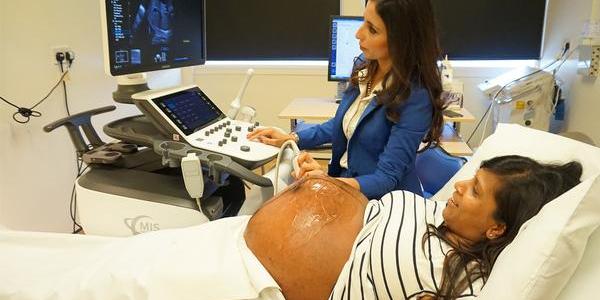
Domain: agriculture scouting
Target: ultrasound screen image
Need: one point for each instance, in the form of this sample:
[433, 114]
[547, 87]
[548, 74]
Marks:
[190, 110]
[150, 35]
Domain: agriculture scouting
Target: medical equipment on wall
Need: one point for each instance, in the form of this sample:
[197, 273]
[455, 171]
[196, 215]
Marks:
[589, 57]
[523, 96]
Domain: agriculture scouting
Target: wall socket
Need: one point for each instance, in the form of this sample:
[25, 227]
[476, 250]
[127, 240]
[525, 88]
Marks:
[60, 49]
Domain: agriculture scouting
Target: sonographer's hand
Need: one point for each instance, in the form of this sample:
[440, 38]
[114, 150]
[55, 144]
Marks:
[270, 136]
[308, 166]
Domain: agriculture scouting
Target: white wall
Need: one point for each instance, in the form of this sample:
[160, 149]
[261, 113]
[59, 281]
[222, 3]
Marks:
[37, 169]
[3, 174]
[566, 20]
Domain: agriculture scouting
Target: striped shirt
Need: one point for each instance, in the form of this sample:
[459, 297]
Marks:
[389, 260]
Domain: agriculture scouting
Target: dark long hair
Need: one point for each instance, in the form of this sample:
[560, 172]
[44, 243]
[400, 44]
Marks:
[525, 187]
[414, 51]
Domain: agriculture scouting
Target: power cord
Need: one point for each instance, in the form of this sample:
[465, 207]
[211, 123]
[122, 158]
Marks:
[27, 113]
[77, 228]
[69, 57]
[24, 114]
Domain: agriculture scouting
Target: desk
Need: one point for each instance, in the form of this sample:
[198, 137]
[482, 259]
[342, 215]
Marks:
[309, 109]
[323, 109]
[453, 143]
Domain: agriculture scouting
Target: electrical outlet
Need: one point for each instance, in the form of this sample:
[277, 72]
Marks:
[564, 50]
[60, 49]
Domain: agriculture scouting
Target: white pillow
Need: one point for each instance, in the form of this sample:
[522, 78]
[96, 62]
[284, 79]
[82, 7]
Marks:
[584, 283]
[547, 250]
[542, 146]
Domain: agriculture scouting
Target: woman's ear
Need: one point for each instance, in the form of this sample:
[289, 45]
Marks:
[495, 231]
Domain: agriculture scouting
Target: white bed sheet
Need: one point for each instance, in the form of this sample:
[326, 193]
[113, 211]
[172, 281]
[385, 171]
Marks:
[167, 264]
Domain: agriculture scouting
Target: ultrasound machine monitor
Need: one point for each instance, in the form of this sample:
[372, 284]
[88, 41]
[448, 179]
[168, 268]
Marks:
[187, 113]
[343, 47]
[151, 35]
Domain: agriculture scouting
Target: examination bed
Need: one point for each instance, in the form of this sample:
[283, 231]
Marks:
[553, 257]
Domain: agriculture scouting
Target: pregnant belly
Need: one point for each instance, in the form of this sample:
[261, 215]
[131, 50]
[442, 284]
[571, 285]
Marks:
[304, 235]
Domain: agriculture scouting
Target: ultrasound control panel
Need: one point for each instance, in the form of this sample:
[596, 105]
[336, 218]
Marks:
[189, 113]
[229, 137]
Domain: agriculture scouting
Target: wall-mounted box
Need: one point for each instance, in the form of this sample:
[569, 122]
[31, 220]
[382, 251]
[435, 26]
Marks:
[589, 57]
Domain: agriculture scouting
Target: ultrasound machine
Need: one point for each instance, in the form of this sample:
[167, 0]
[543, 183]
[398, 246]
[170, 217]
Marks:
[183, 161]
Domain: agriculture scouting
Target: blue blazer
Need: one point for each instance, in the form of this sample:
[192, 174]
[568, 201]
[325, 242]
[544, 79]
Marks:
[381, 154]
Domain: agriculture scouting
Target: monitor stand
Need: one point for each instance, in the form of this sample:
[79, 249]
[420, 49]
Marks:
[129, 85]
[341, 88]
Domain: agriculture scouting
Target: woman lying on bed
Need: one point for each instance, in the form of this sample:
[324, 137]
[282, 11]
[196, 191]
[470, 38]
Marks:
[323, 239]
[320, 238]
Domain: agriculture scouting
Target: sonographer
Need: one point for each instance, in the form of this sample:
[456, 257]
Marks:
[392, 103]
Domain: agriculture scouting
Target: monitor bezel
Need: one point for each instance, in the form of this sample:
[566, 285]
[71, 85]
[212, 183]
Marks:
[330, 51]
[108, 68]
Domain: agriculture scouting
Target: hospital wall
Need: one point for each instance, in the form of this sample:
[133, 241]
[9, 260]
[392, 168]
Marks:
[567, 19]
[37, 169]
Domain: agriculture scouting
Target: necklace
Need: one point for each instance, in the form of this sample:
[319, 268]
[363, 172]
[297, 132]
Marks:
[369, 87]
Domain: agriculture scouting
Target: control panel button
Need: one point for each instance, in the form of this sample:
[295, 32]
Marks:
[245, 148]
[238, 128]
[234, 139]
